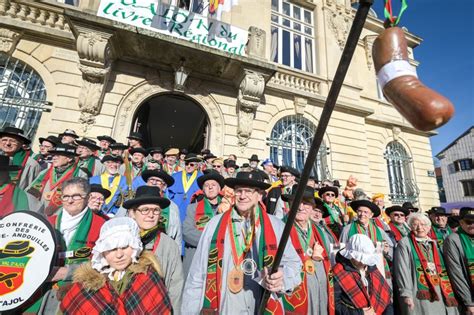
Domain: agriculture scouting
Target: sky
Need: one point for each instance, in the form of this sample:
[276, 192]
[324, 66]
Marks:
[446, 56]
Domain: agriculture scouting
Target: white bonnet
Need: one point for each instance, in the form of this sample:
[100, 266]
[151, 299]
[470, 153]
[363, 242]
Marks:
[361, 248]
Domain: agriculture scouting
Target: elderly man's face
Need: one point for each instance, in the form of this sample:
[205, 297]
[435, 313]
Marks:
[74, 199]
[45, 147]
[287, 179]
[10, 145]
[191, 166]
[253, 164]
[441, 220]
[467, 225]
[96, 201]
[211, 189]
[364, 214]
[112, 167]
[316, 215]
[379, 202]
[328, 197]
[230, 170]
[137, 158]
[146, 216]
[268, 168]
[157, 156]
[61, 160]
[104, 144]
[119, 258]
[84, 152]
[398, 217]
[117, 152]
[246, 199]
[68, 140]
[133, 143]
[171, 159]
[304, 212]
[155, 181]
[420, 228]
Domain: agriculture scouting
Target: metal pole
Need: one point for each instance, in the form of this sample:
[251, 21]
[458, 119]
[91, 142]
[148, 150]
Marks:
[347, 53]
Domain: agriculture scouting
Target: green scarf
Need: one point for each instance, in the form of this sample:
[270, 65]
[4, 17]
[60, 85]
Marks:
[88, 164]
[440, 236]
[164, 220]
[18, 159]
[467, 243]
[334, 214]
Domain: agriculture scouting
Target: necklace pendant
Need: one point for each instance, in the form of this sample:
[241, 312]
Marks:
[309, 266]
[309, 252]
[235, 280]
[248, 266]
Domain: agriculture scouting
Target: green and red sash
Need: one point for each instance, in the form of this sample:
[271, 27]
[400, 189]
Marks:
[426, 281]
[13, 199]
[375, 234]
[351, 283]
[467, 243]
[164, 219]
[267, 251]
[335, 215]
[204, 213]
[19, 159]
[170, 171]
[399, 231]
[435, 234]
[89, 164]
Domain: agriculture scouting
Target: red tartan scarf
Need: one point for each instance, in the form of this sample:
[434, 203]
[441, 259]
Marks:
[426, 281]
[145, 293]
[351, 283]
[267, 251]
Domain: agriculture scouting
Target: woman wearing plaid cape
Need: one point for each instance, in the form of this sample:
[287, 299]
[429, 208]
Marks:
[120, 279]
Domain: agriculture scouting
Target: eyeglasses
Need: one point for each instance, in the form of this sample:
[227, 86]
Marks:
[468, 222]
[398, 215]
[74, 197]
[191, 164]
[155, 181]
[97, 198]
[13, 141]
[145, 211]
[244, 191]
[286, 176]
[329, 195]
[216, 166]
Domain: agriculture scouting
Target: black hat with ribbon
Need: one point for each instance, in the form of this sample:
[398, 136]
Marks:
[106, 138]
[169, 180]
[64, 149]
[247, 179]
[113, 158]
[51, 139]
[16, 133]
[88, 143]
[366, 203]
[208, 175]
[147, 195]
[101, 190]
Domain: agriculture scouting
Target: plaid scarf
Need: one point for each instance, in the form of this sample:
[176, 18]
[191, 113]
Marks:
[267, 251]
[144, 294]
[426, 281]
[351, 283]
[467, 243]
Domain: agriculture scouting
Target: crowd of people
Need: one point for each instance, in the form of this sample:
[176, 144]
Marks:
[153, 231]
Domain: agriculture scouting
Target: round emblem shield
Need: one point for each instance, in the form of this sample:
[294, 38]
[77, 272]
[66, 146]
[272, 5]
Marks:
[27, 253]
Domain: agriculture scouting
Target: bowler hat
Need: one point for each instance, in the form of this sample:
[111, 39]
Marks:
[70, 133]
[88, 143]
[101, 190]
[323, 190]
[16, 249]
[408, 205]
[147, 195]
[16, 133]
[155, 150]
[110, 157]
[64, 149]
[138, 150]
[308, 195]
[135, 136]
[391, 209]
[439, 211]
[247, 179]
[230, 163]
[106, 138]
[118, 146]
[366, 203]
[51, 139]
[169, 180]
[209, 156]
[466, 213]
[205, 151]
[192, 157]
[254, 157]
[288, 169]
[208, 175]
[6, 166]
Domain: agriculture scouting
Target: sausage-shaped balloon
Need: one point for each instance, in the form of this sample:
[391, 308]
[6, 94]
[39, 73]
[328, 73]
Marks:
[424, 108]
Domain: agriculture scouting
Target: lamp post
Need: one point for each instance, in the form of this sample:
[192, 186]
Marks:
[180, 76]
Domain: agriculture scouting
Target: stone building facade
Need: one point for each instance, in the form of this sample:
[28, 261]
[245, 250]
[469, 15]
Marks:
[104, 77]
[457, 168]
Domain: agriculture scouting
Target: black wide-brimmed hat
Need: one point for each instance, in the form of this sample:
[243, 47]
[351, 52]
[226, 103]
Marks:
[169, 180]
[208, 175]
[138, 150]
[64, 149]
[192, 157]
[391, 209]
[209, 156]
[16, 133]
[439, 211]
[147, 195]
[319, 204]
[254, 157]
[101, 190]
[366, 203]
[183, 151]
[135, 136]
[308, 194]
[247, 179]
[288, 169]
[70, 133]
[323, 190]
[408, 205]
[16, 249]
[205, 151]
[88, 143]
[6, 166]
[118, 146]
[51, 139]
[155, 150]
[466, 213]
[230, 163]
[110, 157]
[106, 138]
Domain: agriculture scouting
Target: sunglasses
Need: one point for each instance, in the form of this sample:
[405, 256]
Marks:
[192, 164]
[398, 215]
[330, 195]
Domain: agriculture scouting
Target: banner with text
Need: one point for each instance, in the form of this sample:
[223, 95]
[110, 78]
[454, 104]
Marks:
[176, 22]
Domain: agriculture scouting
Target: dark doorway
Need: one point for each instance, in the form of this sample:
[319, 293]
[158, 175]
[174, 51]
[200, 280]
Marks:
[172, 121]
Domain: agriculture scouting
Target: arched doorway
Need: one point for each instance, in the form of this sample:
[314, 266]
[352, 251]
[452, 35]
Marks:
[171, 120]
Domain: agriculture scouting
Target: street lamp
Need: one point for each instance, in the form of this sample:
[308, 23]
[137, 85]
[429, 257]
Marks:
[180, 76]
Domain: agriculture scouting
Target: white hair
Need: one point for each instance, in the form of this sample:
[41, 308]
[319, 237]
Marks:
[420, 217]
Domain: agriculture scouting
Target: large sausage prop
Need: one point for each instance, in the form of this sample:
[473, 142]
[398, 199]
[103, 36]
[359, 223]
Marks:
[424, 108]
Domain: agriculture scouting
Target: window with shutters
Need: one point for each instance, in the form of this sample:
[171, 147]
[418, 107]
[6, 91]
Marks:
[468, 187]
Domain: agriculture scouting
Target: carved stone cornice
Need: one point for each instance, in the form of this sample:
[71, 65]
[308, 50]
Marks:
[251, 89]
[8, 40]
[94, 48]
